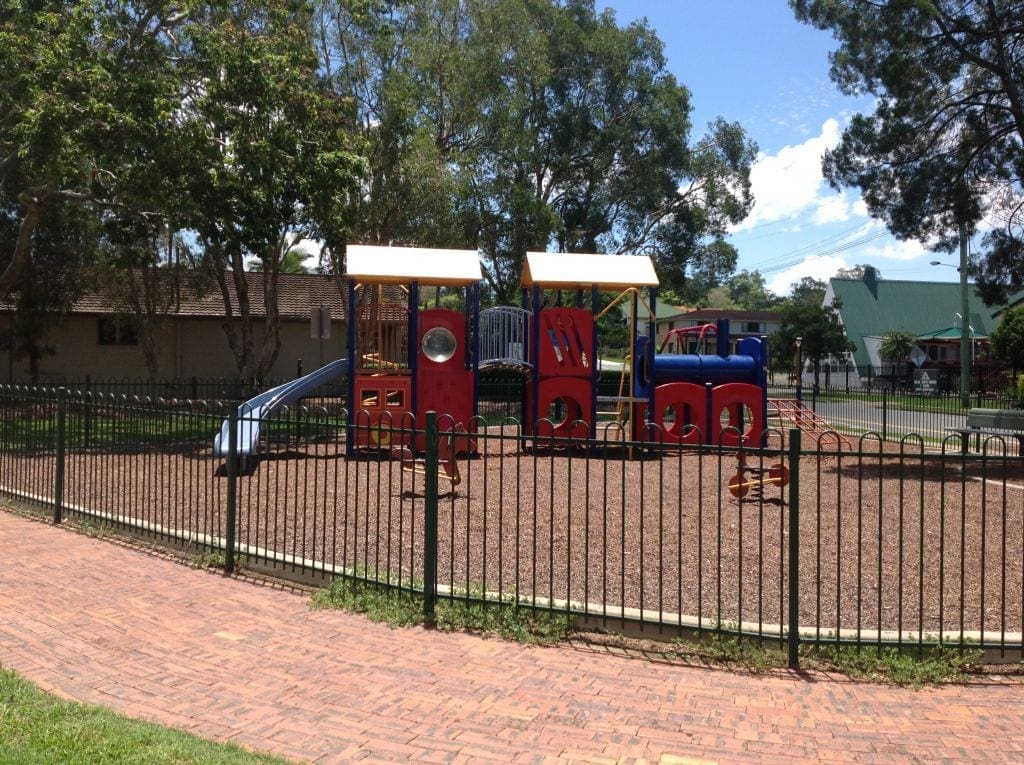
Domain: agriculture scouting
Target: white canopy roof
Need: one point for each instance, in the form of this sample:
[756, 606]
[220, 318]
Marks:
[575, 270]
[403, 265]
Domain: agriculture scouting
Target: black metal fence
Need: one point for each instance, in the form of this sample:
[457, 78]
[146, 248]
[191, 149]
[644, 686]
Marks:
[909, 543]
[894, 415]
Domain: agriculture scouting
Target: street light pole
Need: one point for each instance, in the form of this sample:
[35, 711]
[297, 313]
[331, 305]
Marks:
[799, 371]
[965, 324]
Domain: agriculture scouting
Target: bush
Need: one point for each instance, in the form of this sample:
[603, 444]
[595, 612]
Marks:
[1020, 391]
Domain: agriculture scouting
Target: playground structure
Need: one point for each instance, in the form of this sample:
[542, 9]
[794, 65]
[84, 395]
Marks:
[798, 414]
[406, 358]
[709, 398]
[756, 479]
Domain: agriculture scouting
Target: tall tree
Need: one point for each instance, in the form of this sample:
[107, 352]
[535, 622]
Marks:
[807, 291]
[821, 335]
[858, 271]
[747, 289]
[64, 249]
[512, 125]
[271, 151]
[401, 64]
[1008, 339]
[85, 111]
[943, 147]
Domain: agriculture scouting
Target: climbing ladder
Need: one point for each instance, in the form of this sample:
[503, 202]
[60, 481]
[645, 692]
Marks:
[805, 418]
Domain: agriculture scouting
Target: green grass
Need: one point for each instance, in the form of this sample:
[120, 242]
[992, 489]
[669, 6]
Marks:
[400, 608]
[890, 665]
[38, 728]
[901, 401]
[378, 603]
[731, 651]
[97, 529]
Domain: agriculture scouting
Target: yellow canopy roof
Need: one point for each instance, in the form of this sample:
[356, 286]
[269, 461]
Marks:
[563, 270]
[404, 265]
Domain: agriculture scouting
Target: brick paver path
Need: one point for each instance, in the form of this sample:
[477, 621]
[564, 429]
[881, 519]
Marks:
[231, 660]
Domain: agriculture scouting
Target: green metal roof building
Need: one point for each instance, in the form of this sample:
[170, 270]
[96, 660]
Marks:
[870, 307]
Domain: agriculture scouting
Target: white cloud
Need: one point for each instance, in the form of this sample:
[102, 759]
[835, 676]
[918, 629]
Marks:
[895, 250]
[821, 267]
[790, 182]
[833, 209]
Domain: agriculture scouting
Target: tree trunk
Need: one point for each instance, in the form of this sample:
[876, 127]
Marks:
[33, 201]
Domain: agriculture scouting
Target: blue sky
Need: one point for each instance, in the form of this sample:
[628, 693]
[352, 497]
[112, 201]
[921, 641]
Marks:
[751, 62]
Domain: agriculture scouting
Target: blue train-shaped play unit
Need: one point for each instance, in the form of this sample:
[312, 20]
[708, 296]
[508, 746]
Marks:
[710, 398]
[406, 358]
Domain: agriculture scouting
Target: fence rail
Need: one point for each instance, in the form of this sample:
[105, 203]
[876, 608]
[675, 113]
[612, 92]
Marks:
[912, 543]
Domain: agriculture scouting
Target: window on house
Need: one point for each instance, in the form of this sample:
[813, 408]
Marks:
[116, 330]
[753, 327]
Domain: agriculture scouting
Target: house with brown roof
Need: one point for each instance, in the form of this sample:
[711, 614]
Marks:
[106, 333]
[742, 323]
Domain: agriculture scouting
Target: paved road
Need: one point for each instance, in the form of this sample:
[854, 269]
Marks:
[234, 660]
[865, 415]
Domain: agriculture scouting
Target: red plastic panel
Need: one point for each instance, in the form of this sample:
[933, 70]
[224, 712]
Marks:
[680, 412]
[566, 342]
[449, 392]
[445, 387]
[731, 399]
[382, 406]
[574, 397]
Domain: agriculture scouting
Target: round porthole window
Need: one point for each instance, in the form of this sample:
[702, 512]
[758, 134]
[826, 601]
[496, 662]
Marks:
[439, 344]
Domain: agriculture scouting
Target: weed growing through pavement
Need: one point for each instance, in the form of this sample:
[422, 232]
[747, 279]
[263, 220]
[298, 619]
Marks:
[731, 650]
[891, 665]
[377, 602]
[400, 608]
[95, 529]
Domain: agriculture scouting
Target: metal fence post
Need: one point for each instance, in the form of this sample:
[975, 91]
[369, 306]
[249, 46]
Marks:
[793, 635]
[232, 491]
[885, 414]
[430, 520]
[58, 479]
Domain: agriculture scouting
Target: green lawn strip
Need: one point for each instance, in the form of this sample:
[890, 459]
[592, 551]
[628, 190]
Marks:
[37, 727]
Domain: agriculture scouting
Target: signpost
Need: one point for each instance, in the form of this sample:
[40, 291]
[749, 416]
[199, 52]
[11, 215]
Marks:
[320, 326]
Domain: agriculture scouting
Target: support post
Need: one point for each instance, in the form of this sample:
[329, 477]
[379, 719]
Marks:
[350, 382]
[793, 632]
[231, 513]
[965, 325]
[58, 480]
[430, 466]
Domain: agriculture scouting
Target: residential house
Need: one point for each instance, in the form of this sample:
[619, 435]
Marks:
[101, 336]
[742, 323]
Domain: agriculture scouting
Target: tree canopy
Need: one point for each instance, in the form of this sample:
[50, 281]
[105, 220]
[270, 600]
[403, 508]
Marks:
[85, 110]
[896, 345]
[1008, 338]
[821, 335]
[943, 147]
[511, 125]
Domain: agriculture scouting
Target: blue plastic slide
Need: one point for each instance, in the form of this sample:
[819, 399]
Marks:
[259, 408]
